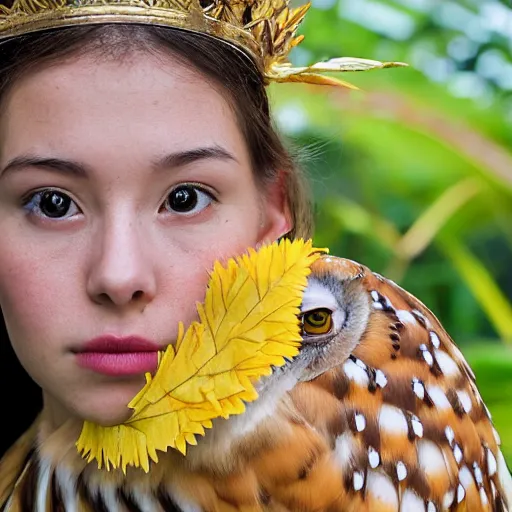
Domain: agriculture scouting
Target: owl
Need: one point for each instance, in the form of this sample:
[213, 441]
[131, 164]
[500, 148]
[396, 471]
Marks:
[378, 412]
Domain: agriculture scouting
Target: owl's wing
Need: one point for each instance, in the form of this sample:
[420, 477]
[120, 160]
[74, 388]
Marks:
[403, 414]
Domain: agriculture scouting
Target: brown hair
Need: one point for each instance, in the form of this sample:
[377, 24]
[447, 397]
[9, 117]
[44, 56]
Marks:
[226, 66]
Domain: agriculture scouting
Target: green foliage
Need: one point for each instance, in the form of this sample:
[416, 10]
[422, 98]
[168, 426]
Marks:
[412, 175]
[492, 364]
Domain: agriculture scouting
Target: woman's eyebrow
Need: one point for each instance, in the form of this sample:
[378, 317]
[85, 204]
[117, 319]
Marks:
[53, 164]
[177, 159]
[181, 158]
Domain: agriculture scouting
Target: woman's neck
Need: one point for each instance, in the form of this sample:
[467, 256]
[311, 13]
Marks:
[54, 414]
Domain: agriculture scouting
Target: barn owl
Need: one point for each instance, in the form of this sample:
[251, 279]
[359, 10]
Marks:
[378, 412]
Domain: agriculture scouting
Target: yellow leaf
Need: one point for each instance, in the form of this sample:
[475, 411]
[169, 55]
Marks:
[248, 322]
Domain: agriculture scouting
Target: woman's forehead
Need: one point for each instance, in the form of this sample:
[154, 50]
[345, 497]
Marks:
[143, 103]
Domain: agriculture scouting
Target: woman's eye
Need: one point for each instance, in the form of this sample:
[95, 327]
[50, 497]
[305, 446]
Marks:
[52, 204]
[187, 200]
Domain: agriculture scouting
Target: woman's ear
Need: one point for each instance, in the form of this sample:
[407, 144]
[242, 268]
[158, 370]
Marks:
[276, 218]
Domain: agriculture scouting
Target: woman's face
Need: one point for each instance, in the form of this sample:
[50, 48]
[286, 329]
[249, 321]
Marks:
[120, 184]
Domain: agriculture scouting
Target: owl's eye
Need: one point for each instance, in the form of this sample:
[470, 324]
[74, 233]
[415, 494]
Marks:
[318, 321]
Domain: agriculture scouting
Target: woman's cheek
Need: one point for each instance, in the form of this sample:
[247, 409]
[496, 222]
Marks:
[230, 231]
[34, 292]
[187, 264]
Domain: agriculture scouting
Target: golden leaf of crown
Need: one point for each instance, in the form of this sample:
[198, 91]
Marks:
[265, 30]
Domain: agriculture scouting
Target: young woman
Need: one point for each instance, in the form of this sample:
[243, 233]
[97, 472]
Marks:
[132, 158]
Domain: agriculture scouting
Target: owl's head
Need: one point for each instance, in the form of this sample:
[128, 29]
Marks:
[334, 315]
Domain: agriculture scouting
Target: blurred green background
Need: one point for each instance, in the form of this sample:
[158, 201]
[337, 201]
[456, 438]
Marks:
[412, 175]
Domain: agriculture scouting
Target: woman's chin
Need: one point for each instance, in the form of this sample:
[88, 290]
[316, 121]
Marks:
[109, 418]
[107, 407]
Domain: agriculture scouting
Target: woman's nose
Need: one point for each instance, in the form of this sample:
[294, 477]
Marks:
[121, 269]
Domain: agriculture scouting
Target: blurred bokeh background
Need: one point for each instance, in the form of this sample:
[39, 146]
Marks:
[412, 175]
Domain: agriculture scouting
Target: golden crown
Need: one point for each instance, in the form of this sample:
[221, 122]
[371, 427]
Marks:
[263, 29]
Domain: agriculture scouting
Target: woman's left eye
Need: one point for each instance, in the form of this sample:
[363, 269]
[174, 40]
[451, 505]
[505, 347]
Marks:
[187, 200]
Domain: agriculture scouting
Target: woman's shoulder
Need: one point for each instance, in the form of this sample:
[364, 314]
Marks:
[14, 460]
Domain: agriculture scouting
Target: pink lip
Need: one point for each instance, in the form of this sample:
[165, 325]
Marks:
[115, 356]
